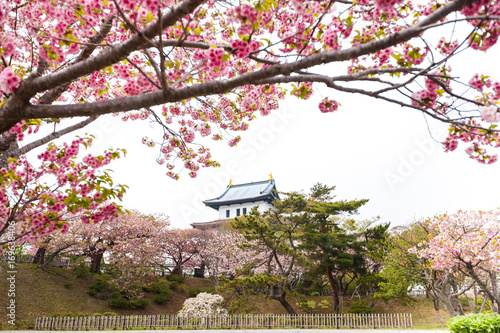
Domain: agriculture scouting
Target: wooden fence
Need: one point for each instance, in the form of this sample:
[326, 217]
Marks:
[341, 321]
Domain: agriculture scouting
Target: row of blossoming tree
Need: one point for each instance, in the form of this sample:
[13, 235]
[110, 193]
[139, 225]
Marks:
[451, 255]
[199, 68]
[304, 239]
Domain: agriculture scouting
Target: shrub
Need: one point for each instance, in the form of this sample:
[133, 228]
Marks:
[202, 305]
[476, 322]
[110, 314]
[194, 292]
[120, 303]
[99, 287]
[310, 306]
[182, 289]
[487, 305]
[161, 299]
[176, 278]
[360, 307]
[115, 294]
[75, 314]
[160, 286]
[81, 271]
[68, 284]
[103, 278]
[139, 303]
[314, 293]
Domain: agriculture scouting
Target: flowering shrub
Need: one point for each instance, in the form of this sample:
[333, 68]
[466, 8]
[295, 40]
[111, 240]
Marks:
[204, 304]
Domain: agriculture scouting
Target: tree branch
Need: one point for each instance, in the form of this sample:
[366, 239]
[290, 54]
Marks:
[55, 135]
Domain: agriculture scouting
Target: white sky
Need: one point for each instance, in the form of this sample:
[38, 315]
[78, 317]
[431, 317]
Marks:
[368, 149]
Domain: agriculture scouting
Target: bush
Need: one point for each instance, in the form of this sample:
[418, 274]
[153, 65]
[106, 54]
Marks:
[476, 322]
[178, 279]
[310, 306]
[110, 314]
[194, 292]
[314, 293]
[161, 299]
[81, 271]
[182, 289]
[120, 303]
[160, 286]
[115, 294]
[139, 303]
[360, 307]
[68, 284]
[101, 285]
[203, 305]
[105, 314]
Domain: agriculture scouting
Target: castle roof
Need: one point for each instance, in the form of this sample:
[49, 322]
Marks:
[242, 193]
[209, 225]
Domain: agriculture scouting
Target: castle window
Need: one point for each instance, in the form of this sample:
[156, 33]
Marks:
[244, 211]
[227, 212]
[238, 212]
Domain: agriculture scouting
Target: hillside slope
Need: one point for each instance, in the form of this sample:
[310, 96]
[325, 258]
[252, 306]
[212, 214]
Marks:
[59, 291]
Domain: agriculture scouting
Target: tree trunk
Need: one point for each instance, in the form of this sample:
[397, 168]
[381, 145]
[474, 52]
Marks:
[444, 295]
[335, 290]
[284, 303]
[435, 300]
[95, 265]
[177, 270]
[456, 304]
[55, 254]
[39, 257]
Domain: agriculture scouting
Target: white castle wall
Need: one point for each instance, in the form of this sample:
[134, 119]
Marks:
[263, 206]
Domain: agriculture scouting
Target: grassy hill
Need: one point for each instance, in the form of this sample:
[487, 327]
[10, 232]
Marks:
[59, 291]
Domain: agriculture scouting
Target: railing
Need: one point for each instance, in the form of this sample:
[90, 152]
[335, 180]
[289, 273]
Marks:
[28, 259]
[359, 321]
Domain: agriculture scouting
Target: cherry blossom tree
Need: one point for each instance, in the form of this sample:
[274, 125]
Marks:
[404, 269]
[468, 242]
[129, 240]
[36, 200]
[203, 68]
[181, 247]
[223, 256]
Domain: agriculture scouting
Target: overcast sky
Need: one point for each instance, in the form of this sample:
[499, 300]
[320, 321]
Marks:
[368, 149]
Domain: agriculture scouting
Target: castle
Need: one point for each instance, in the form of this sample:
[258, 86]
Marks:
[238, 200]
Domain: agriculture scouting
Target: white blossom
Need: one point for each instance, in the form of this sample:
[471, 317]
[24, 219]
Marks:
[204, 304]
